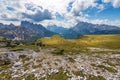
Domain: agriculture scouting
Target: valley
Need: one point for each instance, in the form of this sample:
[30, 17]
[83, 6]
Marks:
[59, 39]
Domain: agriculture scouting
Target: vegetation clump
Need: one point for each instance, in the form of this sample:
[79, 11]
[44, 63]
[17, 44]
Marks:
[79, 73]
[92, 77]
[30, 77]
[59, 52]
[110, 69]
[61, 75]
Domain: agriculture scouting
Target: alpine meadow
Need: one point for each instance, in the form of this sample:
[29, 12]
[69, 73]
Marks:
[59, 39]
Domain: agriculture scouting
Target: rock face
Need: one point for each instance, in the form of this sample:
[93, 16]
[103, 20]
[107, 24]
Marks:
[8, 56]
[88, 28]
[17, 64]
[37, 29]
[20, 33]
[25, 31]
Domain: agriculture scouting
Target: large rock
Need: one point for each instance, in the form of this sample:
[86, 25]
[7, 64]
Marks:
[8, 56]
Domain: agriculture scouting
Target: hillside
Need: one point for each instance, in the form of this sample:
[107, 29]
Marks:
[91, 57]
[82, 43]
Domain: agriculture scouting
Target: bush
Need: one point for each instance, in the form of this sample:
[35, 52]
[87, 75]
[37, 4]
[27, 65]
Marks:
[40, 44]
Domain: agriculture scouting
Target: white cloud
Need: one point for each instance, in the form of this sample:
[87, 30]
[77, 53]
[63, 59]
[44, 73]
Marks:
[105, 21]
[66, 24]
[115, 3]
[53, 6]
[101, 7]
[79, 5]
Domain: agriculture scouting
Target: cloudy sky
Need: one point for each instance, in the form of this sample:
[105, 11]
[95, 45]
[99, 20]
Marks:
[65, 13]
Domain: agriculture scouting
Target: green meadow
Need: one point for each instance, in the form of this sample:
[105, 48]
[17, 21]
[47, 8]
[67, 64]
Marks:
[81, 43]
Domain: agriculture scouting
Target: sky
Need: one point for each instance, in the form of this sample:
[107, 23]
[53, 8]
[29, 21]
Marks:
[64, 13]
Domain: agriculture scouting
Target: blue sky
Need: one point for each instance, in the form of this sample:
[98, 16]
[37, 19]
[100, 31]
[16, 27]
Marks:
[65, 13]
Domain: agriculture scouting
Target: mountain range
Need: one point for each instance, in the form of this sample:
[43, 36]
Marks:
[85, 28]
[25, 31]
[28, 30]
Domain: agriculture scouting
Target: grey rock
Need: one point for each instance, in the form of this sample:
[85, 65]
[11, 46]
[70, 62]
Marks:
[9, 56]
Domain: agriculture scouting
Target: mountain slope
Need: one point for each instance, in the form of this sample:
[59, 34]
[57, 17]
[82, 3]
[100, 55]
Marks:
[37, 29]
[25, 31]
[114, 31]
[87, 28]
[17, 33]
[57, 29]
[84, 28]
[28, 30]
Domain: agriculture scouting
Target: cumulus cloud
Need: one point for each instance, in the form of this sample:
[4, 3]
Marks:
[80, 5]
[105, 21]
[115, 3]
[66, 13]
[38, 15]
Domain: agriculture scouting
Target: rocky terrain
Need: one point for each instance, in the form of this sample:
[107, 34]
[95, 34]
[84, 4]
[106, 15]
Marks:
[98, 64]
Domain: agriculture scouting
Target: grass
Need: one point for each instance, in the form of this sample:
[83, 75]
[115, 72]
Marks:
[93, 77]
[3, 39]
[61, 75]
[102, 41]
[62, 45]
[22, 47]
[110, 69]
[5, 76]
[89, 76]
[110, 63]
[79, 73]
[25, 59]
[81, 44]
[30, 77]
[58, 51]
[5, 64]
[71, 60]
[36, 66]
[71, 45]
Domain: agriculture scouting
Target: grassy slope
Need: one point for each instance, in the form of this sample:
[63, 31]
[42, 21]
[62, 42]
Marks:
[76, 45]
[99, 41]
[22, 47]
[102, 41]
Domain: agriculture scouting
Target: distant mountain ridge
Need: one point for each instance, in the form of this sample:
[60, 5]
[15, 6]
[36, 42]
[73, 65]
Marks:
[37, 29]
[86, 28]
[57, 29]
[25, 31]
[114, 31]
[28, 30]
